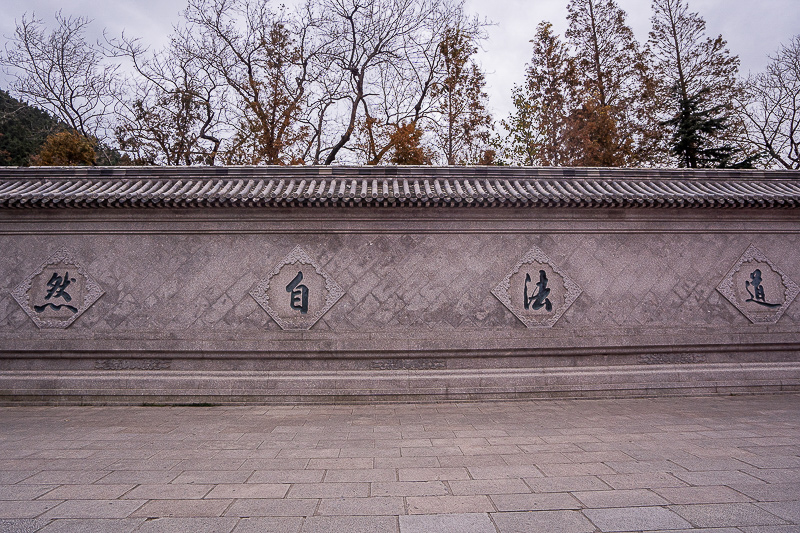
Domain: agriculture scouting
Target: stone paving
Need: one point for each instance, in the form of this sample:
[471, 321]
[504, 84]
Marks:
[721, 464]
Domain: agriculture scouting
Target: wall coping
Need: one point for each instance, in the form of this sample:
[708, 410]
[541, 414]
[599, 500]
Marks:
[181, 187]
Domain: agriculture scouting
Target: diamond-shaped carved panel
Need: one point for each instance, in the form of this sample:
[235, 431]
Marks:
[56, 294]
[297, 293]
[758, 288]
[537, 291]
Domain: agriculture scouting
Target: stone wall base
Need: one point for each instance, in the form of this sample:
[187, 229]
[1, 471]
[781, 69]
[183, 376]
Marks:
[134, 387]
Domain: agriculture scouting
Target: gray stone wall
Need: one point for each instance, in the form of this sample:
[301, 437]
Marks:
[180, 295]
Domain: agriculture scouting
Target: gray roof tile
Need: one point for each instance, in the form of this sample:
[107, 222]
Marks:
[394, 187]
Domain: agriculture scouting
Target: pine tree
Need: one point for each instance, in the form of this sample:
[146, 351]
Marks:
[536, 128]
[697, 86]
[464, 127]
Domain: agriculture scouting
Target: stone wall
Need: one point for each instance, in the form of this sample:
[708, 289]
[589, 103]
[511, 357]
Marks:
[209, 305]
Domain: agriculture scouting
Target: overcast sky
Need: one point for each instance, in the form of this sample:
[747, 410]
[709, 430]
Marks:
[753, 29]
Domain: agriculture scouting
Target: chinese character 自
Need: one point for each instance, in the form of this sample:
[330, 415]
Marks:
[299, 294]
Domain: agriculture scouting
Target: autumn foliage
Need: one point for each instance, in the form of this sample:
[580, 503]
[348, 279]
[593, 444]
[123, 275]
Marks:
[398, 82]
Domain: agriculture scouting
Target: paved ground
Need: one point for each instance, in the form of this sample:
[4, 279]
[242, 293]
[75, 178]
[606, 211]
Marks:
[723, 464]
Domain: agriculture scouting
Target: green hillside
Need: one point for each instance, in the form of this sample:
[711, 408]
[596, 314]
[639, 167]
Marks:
[23, 129]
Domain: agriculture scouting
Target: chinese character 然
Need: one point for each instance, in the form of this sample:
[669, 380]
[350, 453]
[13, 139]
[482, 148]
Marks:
[57, 288]
[539, 298]
[299, 294]
[759, 297]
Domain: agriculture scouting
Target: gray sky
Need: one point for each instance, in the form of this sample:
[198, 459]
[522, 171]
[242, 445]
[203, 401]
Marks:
[753, 29]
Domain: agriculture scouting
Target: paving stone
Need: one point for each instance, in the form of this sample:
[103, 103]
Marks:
[183, 491]
[329, 490]
[770, 492]
[350, 524]
[620, 498]
[182, 508]
[22, 525]
[775, 475]
[408, 488]
[188, 525]
[250, 507]
[489, 486]
[566, 484]
[570, 469]
[121, 477]
[432, 474]
[349, 463]
[351, 475]
[213, 477]
[705, 494]
[789, 511]
[549, 521]
[25, 492]
[636, 519]
[25, 509]
[727, 514]
[66, 477]
[269, 525]
[637, 467]
[770, 529]
[94, 509]
[377, 505]
[248, 490]
[286, 476]
[644, 480]
[92, 525]
[448, 504]
[535, 502]
[498, 472]
[447, 523]
[717, 477]
[471, 461]
[406, 462]
[274, 464]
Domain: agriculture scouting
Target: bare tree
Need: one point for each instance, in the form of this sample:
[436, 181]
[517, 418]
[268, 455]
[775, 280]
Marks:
[264, 59]
[170, 113]
[62, 73]
[382, 58]
[771, 110]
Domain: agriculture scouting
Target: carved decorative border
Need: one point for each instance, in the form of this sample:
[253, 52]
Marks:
[502, 291]
[92, 294]
[298, 255]
[725, 287]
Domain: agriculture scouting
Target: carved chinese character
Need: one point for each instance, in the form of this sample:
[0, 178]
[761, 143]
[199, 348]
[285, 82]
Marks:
[56, 294]
[539, 298]
[57, 288]
[759, 297]
[311, 290]
[299, 294]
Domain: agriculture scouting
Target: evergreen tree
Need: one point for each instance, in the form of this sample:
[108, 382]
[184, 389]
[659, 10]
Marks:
[23, 130]
[464, 127]
[697, 86]
[537, 127]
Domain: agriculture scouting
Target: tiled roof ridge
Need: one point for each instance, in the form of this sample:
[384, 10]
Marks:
[109, 187]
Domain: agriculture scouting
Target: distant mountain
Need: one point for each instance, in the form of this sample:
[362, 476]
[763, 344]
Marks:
[23, 129]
